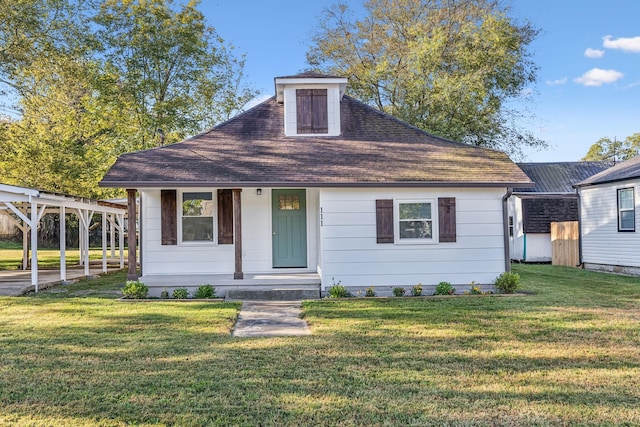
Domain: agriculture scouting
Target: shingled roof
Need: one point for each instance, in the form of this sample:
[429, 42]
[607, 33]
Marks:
[559, 177]
[374, 149]
[629, 169]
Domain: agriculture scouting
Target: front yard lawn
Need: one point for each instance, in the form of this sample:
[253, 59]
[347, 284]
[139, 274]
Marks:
[568, 354]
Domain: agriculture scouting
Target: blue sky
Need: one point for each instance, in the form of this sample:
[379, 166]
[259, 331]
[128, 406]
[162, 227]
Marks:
[588, 52]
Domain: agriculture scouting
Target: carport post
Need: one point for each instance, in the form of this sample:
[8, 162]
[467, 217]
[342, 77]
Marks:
[34, 244]
[104, 242]
[63, 244]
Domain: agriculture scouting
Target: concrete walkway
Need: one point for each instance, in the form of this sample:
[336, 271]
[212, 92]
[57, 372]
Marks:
[14, 283]
[270, 319]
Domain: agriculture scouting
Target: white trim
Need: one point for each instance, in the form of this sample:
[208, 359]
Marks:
[214, 217]
[434, 222]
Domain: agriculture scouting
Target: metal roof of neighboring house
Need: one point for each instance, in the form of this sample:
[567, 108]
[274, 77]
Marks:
[559, 177]
[373, 149]
[629, 169]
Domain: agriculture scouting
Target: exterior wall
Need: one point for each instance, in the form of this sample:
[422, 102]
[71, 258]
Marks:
[333, 108]
[350, 254]
[602, 243]
[211, 258]
[516, 241]
[538, 247]
[526, 247]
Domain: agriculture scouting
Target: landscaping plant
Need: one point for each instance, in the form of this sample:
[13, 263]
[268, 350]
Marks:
[205, 292]
[416, 290]
[181, 293]
[507, 282]
[398, 291]
[444, 288]
[135, 289]
[370, 292]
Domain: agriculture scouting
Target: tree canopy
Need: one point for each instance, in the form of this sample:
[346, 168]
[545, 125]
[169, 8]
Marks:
[614, 150]
[450, 67]
[82, 82]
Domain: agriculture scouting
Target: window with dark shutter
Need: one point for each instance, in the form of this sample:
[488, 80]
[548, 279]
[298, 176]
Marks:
[384, 221]
[311, 111]
[225, 217]
[168, 217]
[447, 219]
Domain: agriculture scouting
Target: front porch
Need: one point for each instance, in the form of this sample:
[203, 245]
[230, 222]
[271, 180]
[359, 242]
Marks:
[227, 286]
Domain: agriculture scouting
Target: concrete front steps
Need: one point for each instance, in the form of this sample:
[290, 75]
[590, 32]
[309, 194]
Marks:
[274, 294]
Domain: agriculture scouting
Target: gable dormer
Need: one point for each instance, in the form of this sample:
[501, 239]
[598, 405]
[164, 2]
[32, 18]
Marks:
[311, 103]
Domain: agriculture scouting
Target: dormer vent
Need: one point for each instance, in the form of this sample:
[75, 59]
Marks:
[311, 103]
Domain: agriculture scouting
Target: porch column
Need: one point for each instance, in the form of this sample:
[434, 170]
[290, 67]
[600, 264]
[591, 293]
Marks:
[237, 224]
[132, 274]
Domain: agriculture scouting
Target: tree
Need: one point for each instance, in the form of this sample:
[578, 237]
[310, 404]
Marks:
[614, 150]
[450, 67]
[174, 71]
[85, 81]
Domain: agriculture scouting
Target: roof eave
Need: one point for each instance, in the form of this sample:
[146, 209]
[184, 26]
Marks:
[276, 184]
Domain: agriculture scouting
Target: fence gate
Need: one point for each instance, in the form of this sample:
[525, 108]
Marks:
[564, 243]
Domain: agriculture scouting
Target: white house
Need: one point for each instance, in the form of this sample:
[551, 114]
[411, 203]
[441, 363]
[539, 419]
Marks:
[552, 199]
[609, 213]
[312, 186]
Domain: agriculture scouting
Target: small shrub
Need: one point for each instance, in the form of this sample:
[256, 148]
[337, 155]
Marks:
[416, 290]
[164, 294]
[475, 289]
[370, 292]
[507, 283]
[135, 289]
[181, 293]
[398, 291]
[444, 288]
[204, 292]
[339, 291]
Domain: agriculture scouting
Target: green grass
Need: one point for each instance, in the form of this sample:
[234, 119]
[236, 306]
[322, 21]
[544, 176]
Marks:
[567, 354]
[11, 256]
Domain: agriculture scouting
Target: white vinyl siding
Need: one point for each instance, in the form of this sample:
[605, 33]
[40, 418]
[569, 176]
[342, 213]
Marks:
[220, 259]
[601, 241]
[350, 254]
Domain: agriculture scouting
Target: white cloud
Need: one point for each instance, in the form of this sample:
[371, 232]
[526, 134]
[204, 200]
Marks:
[593, 53]
[627, 44]
[598, 77]
[557, 82]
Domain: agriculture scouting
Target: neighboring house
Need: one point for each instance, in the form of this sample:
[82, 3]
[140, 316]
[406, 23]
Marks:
[552, 199]
[316, 185]
[609, 214]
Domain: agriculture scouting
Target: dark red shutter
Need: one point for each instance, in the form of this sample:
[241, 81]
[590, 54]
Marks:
[225, 217]
[319, 118]
[447, 219]
[168, 217]
[311, 111]
[384, 221]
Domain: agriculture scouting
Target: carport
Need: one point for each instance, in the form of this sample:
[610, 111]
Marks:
[26, 206]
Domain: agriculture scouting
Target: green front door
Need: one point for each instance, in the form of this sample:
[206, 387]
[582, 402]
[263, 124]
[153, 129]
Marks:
[289, 228]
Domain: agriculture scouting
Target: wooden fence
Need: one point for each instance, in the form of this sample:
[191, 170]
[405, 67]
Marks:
[564, 243]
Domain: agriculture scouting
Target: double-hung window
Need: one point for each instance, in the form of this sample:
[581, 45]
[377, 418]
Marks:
[626, 210]
[416, 221]
[197, 216]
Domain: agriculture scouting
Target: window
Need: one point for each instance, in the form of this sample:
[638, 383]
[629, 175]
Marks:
[311, 111]
[626, 210]
[415, 221]
[197, 217]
